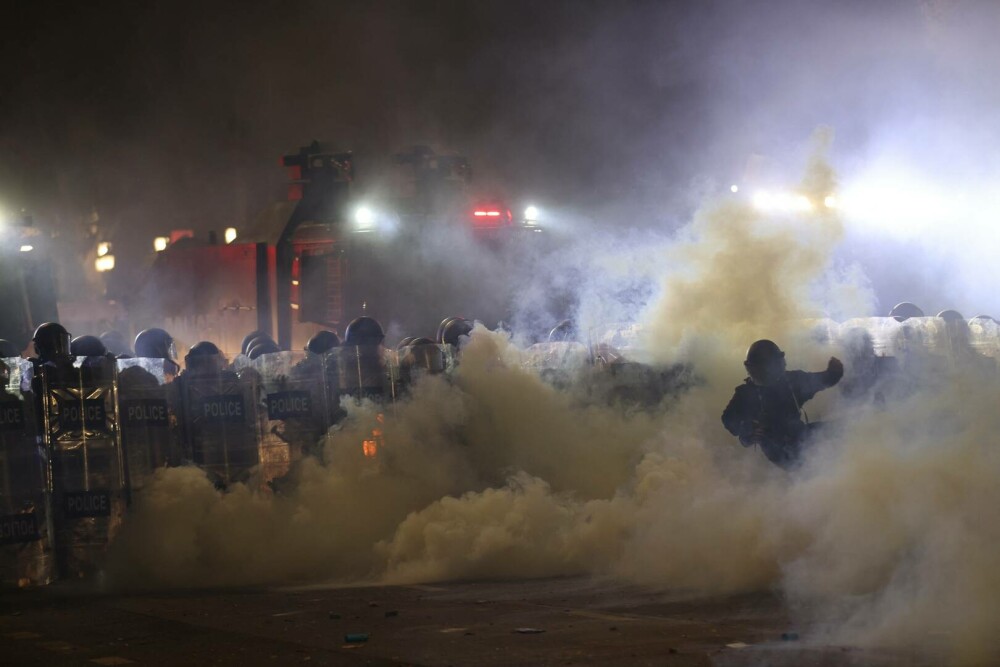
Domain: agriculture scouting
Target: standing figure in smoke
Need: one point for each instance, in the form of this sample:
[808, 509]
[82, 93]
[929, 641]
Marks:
[767, 409]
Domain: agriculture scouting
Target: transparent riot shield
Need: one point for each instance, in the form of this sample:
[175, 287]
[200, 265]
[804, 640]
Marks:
[26, 550]
[985, 336]
[220, 413]
[365, 372]
[558, 363]
[89, 489]
[414, 362]
[147, 420]
[295, 409]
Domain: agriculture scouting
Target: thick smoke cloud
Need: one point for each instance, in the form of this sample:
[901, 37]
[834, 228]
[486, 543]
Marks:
[497, 474]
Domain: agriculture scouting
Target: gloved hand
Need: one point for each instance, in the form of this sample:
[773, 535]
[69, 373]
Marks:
[834, 371]
[753, 433]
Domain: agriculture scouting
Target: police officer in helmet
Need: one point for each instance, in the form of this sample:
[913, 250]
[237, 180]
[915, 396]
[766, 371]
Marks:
[87, 346]
[116, 344]
[322, 342]
[156, 343]
[52, 343]
[363, 331]
[453, 330]
[767, 409]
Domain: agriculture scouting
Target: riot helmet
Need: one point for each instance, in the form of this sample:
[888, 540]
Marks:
[363, 331]
[405, 343]
[951, 316]
[155, 344]
[322, 342]
[765, 362]
[454, 330]
[424, 354]
[252, 336]
[116, 343]
[204, 357]
[8, 349]
[441, 327]
[563, 332]
[982, 319]
[262, 347]
[904, 311]
[51, 341]
[87, 346]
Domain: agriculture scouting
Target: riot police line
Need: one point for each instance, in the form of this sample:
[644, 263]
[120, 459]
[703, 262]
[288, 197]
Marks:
[80, 436]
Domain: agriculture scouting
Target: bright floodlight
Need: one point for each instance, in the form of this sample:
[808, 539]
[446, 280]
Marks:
[103, 248]
[364, 217]
[105, 263]
[27, 248]
[230, 234]
[830, 201]
[762, 200]
[531, 213]
[734, 188]
[160, 243]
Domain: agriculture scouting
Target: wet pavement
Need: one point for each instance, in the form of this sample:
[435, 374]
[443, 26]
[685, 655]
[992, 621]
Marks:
[570, 621]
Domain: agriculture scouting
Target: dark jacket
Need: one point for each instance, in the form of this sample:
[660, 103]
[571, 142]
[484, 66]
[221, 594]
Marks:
[775, 410]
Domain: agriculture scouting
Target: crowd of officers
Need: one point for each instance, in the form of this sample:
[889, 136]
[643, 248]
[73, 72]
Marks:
[86, 422]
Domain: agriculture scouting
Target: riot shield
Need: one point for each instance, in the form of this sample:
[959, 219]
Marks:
[220, 413]
[364, 372]
[295, 411]
[89, 489]
[558, 363]
[26, 554]
[985, 336]
[148, 424]
[417, 361]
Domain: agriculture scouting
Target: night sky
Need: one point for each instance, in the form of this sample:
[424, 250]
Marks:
[161, 115]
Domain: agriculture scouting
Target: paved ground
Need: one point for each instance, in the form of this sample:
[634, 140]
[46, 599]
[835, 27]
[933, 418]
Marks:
[585, 622]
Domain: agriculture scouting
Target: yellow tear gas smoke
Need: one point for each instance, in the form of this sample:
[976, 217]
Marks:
[885, 536]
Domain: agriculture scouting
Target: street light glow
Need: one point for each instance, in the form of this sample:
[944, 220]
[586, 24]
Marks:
[160, 243]
[104, 263]
[230, 234]
[27, 248]
[103, 248]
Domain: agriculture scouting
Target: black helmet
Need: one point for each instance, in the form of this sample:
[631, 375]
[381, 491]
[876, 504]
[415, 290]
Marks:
[363, 331]
[51, 341]
[155, 344]
[87, 346]
[563, 332]
[205, 357]
[322, 342]
[8, 349]
[441, 327]
[454, 330]
[951, 316]
[115, 342]
[262, 347]
[252, 336]
[904, 311]
[405, 342]
[981, 320]
[765, 362]
[424, 354]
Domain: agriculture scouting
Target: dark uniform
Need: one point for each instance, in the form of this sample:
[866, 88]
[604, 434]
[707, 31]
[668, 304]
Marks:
[767, 409]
